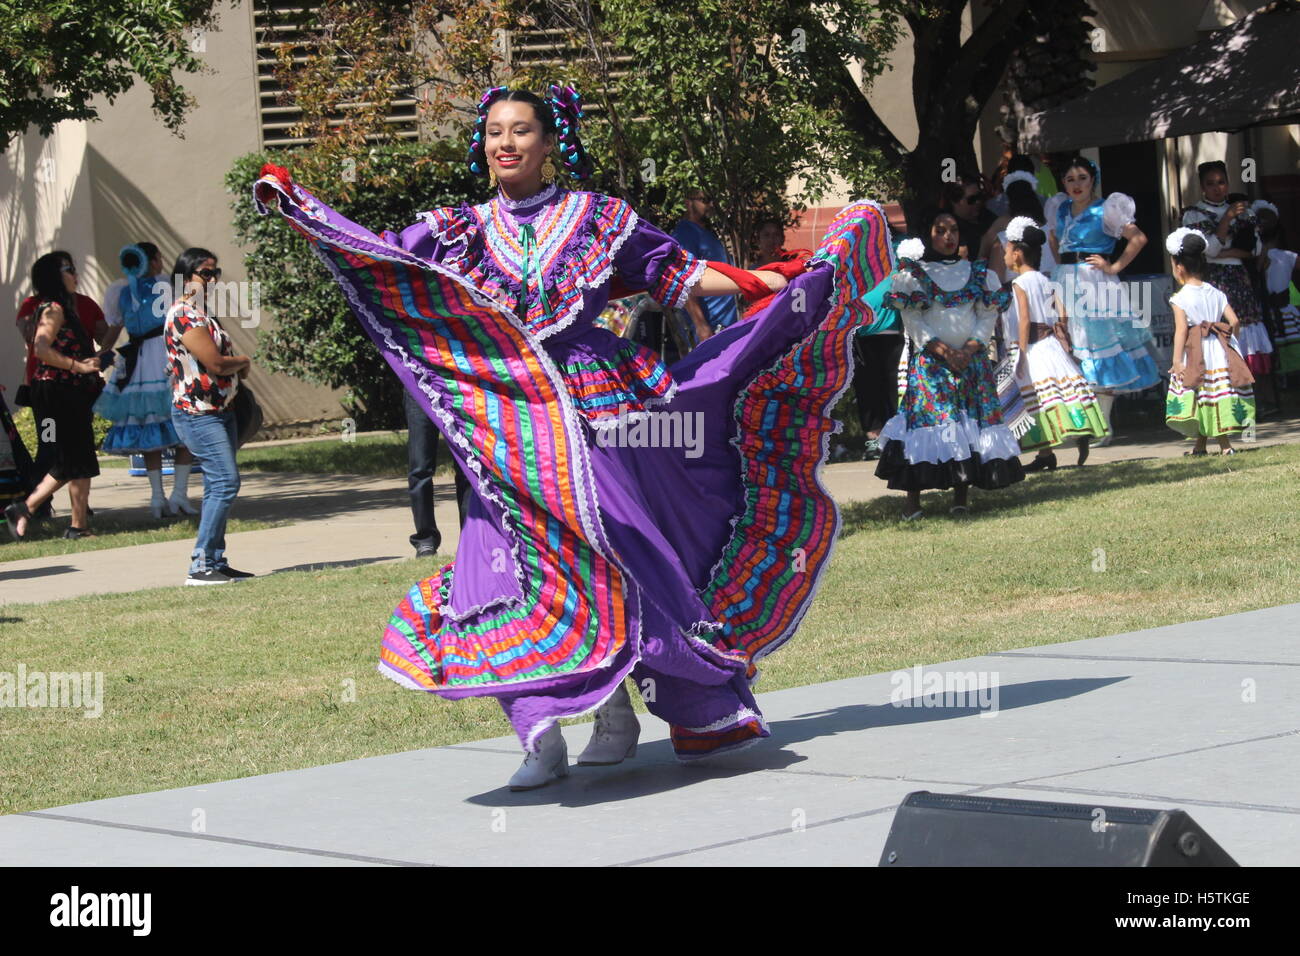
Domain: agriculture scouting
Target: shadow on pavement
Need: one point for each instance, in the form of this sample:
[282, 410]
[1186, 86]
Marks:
[36, 572]
[656, 770]
[322, 565]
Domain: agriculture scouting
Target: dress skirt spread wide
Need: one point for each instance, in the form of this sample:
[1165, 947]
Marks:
[589, 555]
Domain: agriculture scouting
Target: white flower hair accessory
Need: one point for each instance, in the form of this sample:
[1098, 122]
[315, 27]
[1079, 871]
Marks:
[1259, 204]
[1020, 176]
[1174, 244]
[912, 249]
[1016, 228]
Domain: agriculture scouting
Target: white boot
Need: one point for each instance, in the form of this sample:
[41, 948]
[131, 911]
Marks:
[1105, 404]
[547, 764]
[179, 502]
[615, 733]
[158, 499]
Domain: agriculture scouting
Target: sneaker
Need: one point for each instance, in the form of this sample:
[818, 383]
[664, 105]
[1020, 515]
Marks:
[230, 572]
[427, 548]
[207, 576]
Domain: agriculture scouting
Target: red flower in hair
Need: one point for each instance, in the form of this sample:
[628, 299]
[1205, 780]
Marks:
[279, 172]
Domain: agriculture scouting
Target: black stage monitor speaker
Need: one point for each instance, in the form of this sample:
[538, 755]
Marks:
[946, 829]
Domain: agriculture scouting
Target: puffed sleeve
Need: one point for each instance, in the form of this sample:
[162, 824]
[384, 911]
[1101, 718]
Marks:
[113, 302]
[907, 295]
[1051, 209]
[649, 260]
[987, 309]
[1117, 212]
[440, 234]
[1205, 224]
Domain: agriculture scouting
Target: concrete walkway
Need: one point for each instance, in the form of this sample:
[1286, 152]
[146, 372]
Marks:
[1200, 716]
[344, 519]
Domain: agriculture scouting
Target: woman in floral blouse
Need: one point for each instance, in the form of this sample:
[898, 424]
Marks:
[205, 377]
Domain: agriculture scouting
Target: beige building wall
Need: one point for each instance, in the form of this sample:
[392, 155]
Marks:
[1135, 33]
[127, 178]
[45, 204]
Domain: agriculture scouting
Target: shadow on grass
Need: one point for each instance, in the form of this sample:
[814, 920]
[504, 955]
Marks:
[1046, 487]
[656, 770]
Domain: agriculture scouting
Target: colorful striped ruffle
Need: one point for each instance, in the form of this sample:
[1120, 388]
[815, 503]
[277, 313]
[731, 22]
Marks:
[631, 380]
[764, 581]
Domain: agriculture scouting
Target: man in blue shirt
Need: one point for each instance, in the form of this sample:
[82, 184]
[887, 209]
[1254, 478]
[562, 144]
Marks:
[694, 235]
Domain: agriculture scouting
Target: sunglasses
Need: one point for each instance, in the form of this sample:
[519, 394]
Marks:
[974, 200]
[210, 273]
[69, 269]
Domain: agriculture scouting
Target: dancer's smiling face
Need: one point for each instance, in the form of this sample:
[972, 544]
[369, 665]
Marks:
[944, 237]
[516, 145]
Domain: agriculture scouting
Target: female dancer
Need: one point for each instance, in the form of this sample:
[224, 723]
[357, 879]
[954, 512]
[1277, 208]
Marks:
[1231, 237]
[1064, 405]
[583, 561]
[1281, 269]
[1210, 392]
[138, 399]
[949, 431]
[1110, 340]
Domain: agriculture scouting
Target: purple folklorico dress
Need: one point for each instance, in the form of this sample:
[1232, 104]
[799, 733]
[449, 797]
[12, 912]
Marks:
[628, 518]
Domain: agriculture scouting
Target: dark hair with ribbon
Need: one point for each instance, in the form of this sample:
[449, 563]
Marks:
[560, 115]
[1030, 245]
[1084, 163]
[1191, 254]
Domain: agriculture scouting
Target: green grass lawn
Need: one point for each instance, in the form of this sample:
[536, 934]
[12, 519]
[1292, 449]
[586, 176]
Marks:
[205, 684]
[111, 532]
[383, 455]
[364, 455]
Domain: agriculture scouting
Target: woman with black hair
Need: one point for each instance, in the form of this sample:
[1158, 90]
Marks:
[205, 377]
[1210, 384]
[597, 545]
[1231, 238]
[1111, 341]
[64, 387]
[948, 432]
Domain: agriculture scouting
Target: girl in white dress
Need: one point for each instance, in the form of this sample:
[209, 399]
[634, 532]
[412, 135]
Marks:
[1210, 385]
[1050, 381]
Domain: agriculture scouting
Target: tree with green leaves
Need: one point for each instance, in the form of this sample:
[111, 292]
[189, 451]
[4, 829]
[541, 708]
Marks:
[952, 81]
[58, 55]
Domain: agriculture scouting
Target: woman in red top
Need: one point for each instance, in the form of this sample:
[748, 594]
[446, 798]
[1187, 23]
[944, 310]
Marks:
[64, 387]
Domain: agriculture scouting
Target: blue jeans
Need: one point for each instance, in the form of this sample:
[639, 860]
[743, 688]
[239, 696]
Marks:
[212, 440]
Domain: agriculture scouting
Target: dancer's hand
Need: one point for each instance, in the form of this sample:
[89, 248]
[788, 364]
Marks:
[1101, 263]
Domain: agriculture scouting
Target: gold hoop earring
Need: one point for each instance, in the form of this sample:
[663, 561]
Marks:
[492, 178]
[549, 172]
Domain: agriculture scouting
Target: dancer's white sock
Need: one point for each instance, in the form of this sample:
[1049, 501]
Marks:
[181, 481]
[1106, 402]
